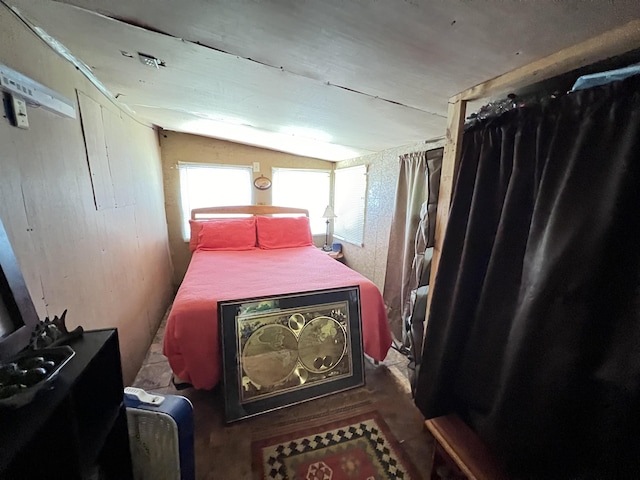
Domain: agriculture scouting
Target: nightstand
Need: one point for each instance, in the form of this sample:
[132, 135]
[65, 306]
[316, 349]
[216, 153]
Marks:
[339, 256]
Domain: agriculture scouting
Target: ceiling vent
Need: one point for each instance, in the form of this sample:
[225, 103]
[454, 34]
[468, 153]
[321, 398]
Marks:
[150, 60]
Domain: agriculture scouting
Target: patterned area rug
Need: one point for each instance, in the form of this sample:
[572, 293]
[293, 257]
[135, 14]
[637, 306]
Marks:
[355, 448]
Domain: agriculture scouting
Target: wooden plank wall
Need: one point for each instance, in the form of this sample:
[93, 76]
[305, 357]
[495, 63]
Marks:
[90, 240]
[450, 161]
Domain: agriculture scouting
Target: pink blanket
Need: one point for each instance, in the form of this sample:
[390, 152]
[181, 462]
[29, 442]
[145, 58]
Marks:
[191, 340]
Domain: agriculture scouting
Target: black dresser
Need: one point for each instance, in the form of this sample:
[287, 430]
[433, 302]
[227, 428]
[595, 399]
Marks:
[78, 428]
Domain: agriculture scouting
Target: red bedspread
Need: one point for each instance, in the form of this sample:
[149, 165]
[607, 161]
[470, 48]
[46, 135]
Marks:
[191, 340]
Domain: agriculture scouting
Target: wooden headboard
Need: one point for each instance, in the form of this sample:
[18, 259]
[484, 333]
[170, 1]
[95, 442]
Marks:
[246, 209]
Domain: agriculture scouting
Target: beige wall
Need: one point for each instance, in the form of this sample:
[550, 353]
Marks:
[383, 169]
[181, 147]
[108, 266]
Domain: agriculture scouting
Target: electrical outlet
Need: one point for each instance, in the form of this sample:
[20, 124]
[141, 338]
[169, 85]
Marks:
[19, 112]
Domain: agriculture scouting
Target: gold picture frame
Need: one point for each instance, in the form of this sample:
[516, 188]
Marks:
[285, 349]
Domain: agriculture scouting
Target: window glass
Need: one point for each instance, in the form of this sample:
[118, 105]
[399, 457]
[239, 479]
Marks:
[310, 189]
[207, 185]
[349, 204]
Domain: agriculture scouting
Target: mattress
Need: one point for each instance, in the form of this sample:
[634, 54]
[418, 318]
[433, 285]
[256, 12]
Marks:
[191, 340]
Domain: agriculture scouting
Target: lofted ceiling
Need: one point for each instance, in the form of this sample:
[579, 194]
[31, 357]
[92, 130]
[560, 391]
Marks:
[331, 79]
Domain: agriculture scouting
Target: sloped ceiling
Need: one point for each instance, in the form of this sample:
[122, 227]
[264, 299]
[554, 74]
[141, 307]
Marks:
[331, 79]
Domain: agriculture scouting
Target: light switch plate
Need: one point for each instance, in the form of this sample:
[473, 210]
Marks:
[256, 166]
[20, 112]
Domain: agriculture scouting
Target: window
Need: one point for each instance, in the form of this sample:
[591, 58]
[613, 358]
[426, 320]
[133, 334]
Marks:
[349, 204]
[207, 185]
[310, 189]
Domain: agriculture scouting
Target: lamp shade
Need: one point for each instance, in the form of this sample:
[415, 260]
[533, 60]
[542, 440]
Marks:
[328, 212]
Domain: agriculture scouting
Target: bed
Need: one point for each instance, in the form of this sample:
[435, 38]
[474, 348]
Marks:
[260, 254]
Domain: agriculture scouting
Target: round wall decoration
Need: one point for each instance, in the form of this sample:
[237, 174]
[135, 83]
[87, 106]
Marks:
[262, 183]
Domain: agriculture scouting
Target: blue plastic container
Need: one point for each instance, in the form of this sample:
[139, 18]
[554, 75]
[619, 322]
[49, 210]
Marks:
[161, 436]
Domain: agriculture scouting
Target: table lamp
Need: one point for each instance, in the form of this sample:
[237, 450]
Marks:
[328, 214]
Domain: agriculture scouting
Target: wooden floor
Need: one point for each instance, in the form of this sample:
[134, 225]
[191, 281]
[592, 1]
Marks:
[223, 451]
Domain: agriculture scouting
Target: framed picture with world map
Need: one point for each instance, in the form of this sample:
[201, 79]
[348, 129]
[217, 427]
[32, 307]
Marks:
[286, 349]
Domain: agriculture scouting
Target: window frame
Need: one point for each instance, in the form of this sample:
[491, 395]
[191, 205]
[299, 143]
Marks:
[338, 233]
[185, 215]
[326, 171]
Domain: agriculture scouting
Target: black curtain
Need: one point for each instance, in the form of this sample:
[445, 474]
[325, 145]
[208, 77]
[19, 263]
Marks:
[534, 332]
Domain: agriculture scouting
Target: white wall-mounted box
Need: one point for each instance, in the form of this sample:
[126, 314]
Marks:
[34, 93]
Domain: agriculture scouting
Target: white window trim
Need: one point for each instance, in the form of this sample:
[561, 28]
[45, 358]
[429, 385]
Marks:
[328, 172]
[184, 215]
[352, 240]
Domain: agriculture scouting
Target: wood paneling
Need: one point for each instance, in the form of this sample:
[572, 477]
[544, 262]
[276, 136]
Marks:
[450, 160]
[118, 141]
[108, 147]
[95, 146]
[104, 259]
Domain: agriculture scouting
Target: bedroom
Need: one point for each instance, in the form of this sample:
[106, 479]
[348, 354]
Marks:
[78, 258]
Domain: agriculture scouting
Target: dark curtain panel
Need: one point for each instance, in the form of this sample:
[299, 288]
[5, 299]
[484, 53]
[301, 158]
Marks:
[411, 192]
[418, 183]
[534, 332]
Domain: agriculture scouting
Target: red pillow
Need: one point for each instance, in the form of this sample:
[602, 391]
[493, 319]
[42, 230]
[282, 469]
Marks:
[283, 232]
[195, 227]
[227, 234]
